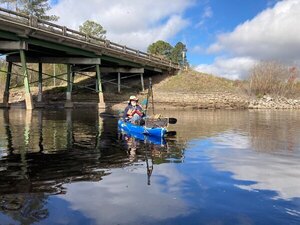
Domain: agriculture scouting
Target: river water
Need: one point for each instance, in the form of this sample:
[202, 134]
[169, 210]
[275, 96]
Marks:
[222, 167]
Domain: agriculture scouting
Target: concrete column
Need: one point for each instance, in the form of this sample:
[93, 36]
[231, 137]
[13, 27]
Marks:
[142, 82]
[119, 82]
[40, 85]
[69, 103]
[7, 85]
[101, 104]
[28, 96]
[72, 80]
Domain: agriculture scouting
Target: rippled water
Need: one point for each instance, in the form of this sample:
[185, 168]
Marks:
[223, 167]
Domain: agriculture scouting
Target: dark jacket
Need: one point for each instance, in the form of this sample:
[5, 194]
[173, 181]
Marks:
[131, 110]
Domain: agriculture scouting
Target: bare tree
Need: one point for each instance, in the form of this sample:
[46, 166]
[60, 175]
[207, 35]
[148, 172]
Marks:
[274, 78]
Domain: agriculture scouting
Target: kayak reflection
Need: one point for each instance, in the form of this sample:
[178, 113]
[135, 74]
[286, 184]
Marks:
[150, 147]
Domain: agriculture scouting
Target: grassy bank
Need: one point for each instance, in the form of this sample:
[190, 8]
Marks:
[195, 82]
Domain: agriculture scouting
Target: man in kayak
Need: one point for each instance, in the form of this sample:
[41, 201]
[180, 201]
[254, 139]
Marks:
[133, 112]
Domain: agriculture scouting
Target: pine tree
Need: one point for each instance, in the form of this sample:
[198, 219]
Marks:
[39, 9]
[91, 28]
[161, 48]
[177, 54]
[36, 8]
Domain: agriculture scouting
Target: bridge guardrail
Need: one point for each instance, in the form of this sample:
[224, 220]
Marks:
[35, 22]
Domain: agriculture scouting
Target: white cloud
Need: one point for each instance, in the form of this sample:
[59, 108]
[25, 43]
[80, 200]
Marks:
[207, 14]
[198, 49]
[142, 38]
[232, 68]
[271, 35]
[136, 23]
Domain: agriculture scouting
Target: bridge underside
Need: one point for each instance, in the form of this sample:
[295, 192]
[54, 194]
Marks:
[31, 50]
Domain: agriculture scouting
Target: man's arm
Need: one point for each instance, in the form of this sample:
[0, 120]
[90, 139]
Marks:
[140, 111]
[125, 112]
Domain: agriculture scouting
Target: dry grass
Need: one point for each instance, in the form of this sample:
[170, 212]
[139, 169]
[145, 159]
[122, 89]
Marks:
[196, 82]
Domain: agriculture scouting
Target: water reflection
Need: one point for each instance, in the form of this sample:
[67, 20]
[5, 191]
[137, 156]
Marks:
[73, 166]
[39, 156]
[258, 146]
[156, 150]
[275, 169]
[42, 151]
[274, 131]
[29, 156]
[265, 131]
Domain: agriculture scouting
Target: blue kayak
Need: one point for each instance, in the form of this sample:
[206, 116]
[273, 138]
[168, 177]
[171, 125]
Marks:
[145, 138]
[133, 128]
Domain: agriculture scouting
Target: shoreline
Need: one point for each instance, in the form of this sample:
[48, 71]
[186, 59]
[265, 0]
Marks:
[167, 100]
[217, 100]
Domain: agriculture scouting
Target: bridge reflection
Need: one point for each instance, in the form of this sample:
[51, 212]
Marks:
[42, 151]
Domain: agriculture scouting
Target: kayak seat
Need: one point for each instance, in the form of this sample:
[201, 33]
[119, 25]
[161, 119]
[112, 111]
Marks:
[156, 122]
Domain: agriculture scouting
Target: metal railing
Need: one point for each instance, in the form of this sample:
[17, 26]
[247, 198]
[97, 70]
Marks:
[36, 23]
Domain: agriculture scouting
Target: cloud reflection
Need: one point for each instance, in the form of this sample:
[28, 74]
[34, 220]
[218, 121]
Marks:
[125, 197]
[277, 172]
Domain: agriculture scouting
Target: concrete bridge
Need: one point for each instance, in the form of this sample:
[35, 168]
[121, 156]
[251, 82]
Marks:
[27, 39]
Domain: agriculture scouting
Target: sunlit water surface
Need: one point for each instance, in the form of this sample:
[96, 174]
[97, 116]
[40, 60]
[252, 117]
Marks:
[223, 167]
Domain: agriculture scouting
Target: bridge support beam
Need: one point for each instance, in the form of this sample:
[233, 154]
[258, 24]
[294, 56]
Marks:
[119, 82]
[7, 85]
[28, 96]
[39, 103]
[69, 103]
[142, 82]
[101, 104]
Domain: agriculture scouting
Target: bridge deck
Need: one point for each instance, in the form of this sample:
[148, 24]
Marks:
[45, 39]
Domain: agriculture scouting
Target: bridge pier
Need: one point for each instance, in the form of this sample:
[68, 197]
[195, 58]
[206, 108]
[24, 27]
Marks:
[28, 96]
[119, 82]
[142, 82]
[101, 104]
[69, 103]
[39, 103]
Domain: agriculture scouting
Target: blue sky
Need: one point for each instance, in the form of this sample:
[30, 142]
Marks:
[223, 37]
[224, 16]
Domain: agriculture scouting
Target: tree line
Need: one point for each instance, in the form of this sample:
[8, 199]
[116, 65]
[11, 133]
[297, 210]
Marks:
[176, 54]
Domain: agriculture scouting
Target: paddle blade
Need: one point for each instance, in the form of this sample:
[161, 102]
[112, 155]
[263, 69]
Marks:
[171, 133]
[172, 120]
[144, 102]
